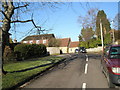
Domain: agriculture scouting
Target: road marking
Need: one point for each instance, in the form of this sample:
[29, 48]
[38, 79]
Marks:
[86, 68]
[84, 86]
[87, 58]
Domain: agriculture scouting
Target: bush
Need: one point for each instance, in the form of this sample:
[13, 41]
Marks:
[8, 55]
[84, 44]
[21, 50]
[26, 51]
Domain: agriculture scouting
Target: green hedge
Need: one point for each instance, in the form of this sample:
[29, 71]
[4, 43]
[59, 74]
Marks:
[26, 51]
[90, 43]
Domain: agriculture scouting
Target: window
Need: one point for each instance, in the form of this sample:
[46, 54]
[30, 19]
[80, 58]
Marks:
[44, 41]
[115, 53]
[37, 41]
[25, 41]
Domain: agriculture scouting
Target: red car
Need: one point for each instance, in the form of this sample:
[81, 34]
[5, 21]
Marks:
[110, 64]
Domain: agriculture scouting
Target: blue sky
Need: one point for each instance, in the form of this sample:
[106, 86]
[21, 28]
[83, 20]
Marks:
[62, 21]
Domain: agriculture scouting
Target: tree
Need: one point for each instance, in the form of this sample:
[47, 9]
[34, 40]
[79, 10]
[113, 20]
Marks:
[80, 38]
[105, 23]
[116, 22]
[10, 15]
[117, 35]
[87, 33]
[89, 20]
[53, 42]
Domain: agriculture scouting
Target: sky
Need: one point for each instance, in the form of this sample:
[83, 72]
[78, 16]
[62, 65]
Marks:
[61, 21]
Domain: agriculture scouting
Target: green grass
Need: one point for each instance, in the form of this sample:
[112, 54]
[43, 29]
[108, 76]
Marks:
[23, 65]
[11, 79]
[28, 64]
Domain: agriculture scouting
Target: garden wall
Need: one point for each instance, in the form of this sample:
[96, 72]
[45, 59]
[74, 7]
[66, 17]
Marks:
[53, 50]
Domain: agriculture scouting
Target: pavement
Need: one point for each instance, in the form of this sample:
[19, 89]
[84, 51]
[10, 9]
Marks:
[83, 72]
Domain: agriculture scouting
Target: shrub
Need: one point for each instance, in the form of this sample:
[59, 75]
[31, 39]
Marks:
[8, 55]
[21, 50]
[84, 44]
[30, 50]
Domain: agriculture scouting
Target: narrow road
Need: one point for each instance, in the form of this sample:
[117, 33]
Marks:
[82, 72]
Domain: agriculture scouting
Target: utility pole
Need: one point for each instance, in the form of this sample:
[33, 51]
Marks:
[101, 35]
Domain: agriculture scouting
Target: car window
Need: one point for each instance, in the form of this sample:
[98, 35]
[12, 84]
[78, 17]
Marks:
[115, 50]
[115, 53]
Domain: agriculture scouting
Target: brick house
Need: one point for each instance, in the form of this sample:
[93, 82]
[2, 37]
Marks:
[38, 39]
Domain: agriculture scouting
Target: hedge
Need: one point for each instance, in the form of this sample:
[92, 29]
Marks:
[26, 51]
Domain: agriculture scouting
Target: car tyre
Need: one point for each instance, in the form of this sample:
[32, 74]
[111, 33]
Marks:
[110, 84]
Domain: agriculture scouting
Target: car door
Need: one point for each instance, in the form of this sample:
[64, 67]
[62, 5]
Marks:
[105, 59]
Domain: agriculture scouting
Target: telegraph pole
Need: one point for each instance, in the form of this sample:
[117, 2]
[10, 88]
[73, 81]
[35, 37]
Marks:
[101, 35]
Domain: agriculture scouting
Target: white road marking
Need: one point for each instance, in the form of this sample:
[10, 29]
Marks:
[86, 68]
[84, 86]
[87, 58]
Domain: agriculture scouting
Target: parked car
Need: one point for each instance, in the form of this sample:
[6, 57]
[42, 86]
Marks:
[110, 64]
[82, 49]
[76, 50]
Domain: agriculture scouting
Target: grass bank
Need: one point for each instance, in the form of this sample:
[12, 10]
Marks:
[11, 79]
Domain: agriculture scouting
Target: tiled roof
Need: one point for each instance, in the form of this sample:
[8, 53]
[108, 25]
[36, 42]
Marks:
[74, 44]
[38, 37]
[64, 42]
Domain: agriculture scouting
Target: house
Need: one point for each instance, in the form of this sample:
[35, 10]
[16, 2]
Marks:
[64, 45]
[73, 46]
[38, 39]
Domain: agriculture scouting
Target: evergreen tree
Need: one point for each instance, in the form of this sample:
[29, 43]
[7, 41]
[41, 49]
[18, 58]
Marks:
[105, 24]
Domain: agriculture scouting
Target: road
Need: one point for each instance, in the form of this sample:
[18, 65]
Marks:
[82, 72]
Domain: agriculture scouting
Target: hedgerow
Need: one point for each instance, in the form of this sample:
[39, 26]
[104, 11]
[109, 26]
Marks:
[25, 51]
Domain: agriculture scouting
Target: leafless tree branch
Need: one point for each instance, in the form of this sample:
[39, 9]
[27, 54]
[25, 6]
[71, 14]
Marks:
[21, 6]
[21, 21]
[4, 15]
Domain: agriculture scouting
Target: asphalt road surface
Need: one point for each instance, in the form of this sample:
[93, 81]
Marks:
[82, 72]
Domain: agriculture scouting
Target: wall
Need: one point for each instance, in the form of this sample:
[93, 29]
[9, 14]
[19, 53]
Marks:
[72, 49]
[53, 50]
[63, 49]
[98, 49]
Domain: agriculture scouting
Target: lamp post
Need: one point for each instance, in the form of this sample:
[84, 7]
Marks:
[101, 35]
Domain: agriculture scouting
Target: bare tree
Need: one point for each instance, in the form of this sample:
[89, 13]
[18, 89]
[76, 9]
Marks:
[116, 22]
[11, 14]
[89, 20]
[87, 33]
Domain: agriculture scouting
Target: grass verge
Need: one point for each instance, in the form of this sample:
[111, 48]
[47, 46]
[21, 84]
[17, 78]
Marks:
[11, 79]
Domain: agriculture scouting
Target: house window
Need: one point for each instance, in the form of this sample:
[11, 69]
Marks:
[44, 41]
[37, 41]
[31, 42]
[25, 41]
